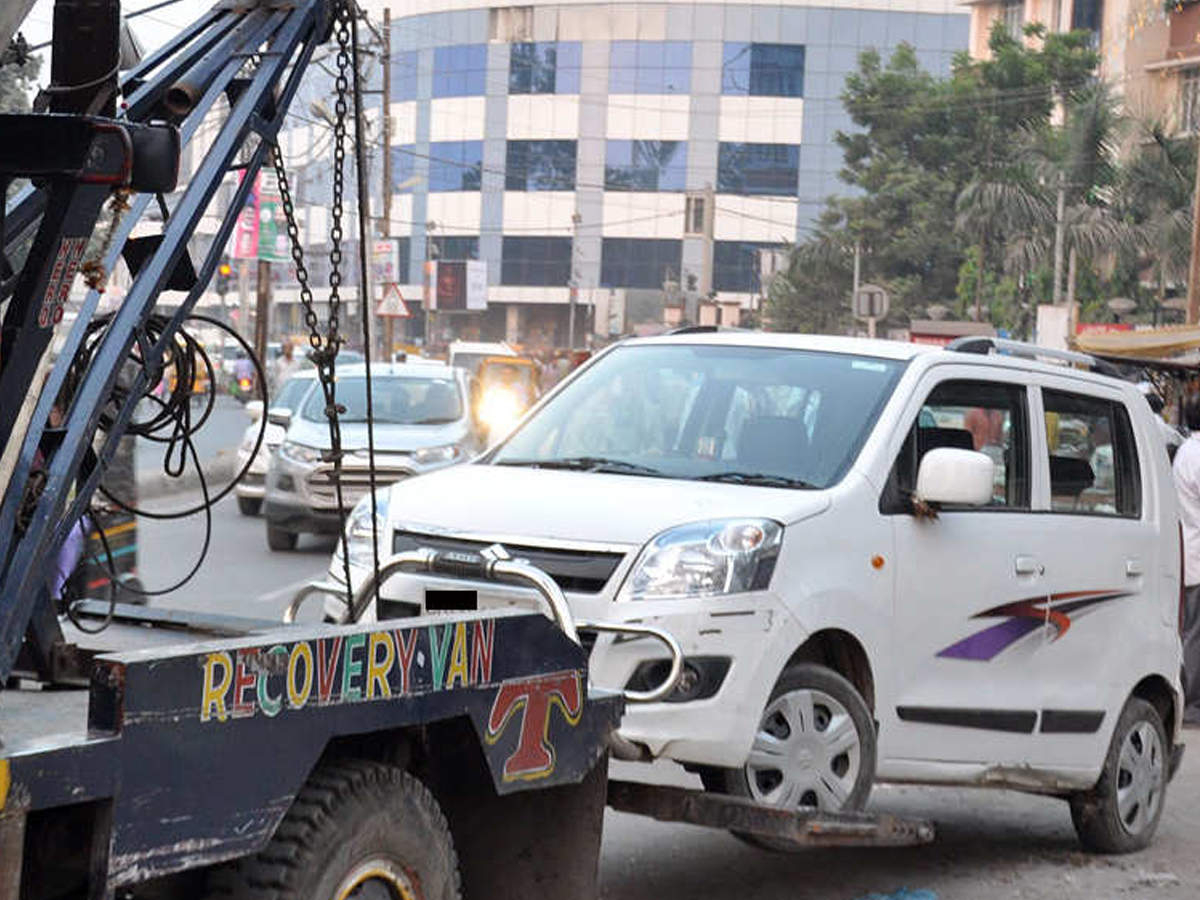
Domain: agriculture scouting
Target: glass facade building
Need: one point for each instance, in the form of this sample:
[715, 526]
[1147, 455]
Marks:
[561, 143]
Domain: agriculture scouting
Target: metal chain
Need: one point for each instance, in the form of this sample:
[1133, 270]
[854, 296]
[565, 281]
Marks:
[293, 233]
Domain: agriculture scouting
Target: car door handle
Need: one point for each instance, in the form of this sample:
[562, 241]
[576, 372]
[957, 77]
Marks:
[1028, 565]
[1133, 568]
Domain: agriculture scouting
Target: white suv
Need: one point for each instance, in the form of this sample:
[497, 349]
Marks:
[884, 562]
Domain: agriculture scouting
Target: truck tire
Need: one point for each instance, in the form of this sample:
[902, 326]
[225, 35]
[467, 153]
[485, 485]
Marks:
[808, 704]
[1121, 813]
[356, 829]
[278, 539]
[249, 506]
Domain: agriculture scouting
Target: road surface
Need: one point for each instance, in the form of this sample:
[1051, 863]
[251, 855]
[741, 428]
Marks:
[991, 845]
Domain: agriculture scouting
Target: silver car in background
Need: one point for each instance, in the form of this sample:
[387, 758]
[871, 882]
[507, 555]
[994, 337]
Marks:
[423, 422]
[253, 486]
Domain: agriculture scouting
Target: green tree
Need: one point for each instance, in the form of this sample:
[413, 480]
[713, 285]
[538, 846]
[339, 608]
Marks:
[812, 294]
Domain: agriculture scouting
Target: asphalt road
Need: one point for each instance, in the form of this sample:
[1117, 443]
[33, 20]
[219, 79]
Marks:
[991, 845]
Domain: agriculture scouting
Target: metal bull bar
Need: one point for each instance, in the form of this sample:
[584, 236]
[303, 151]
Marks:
[479, 567]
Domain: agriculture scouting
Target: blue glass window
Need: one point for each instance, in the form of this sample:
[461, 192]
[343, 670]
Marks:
[456, 246]
[549, 67]
[735, 265]
[459, 71]
[536, 261]
[650, 67]
[639, 262]
[758, 169]
[763, 70]
[403, 164]
[402, 270]
[540, 166]
[645, 165]
[404, 75]
[455, 165]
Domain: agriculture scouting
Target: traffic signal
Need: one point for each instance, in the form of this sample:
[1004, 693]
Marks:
[224, 274]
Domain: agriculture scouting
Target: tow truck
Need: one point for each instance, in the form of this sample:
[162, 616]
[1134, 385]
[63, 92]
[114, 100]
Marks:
[147, 752]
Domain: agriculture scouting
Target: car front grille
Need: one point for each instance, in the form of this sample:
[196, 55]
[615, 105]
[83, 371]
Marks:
[581, 571]
[355, 484]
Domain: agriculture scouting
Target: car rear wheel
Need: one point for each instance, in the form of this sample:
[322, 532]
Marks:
[814, 747]
[249, 506]
[1121, 813]
[278, 539]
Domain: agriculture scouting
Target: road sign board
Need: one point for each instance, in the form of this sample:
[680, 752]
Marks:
[871, 302]
[392, 303]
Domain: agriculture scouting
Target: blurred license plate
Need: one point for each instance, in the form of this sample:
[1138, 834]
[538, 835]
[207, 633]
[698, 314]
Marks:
[444, 600]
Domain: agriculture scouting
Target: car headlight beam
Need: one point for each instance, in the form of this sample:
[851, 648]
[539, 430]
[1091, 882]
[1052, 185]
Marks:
[299, 453]
[359, 532]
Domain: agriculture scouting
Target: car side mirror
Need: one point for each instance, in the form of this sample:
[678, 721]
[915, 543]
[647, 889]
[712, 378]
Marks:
[953, 476]
[254, 409]
[280, 415]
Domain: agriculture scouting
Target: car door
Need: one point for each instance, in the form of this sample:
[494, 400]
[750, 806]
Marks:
[1104, 573]
[965, 684]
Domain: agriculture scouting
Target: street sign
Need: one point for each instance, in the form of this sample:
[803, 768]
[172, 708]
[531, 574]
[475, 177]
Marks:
[385, 261]
[392, 303]
[870, 302]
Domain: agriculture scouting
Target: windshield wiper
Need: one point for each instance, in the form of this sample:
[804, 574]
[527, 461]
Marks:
[757, 478]
[585, 464]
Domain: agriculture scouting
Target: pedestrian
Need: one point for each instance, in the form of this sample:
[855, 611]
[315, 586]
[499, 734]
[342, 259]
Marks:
[285, 366]
[1187, 484]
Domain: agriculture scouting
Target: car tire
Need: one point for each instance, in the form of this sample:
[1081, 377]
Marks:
[1121, 813]
[816, 712]
[356, 826]
[278, 539]
[249, 506]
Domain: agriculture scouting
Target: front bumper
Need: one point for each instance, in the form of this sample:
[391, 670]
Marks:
[300, 519]
[752, 634]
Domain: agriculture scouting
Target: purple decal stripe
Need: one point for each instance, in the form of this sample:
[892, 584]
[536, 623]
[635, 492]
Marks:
[983, 645]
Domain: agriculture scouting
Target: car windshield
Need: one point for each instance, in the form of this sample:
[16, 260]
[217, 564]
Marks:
[397, 401]
[292, 392]
[745, 415]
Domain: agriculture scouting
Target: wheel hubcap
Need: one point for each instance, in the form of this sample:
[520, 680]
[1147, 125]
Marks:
[377, 879]
[806, 752]
[1139, 778]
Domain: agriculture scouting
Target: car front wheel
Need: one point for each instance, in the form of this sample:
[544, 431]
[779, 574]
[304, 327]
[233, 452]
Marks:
[814, 747]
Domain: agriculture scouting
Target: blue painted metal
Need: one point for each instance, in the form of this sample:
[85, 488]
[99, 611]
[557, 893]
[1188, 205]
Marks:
[291, 36]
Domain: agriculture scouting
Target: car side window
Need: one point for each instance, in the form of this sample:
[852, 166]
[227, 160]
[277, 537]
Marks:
[986, 416]
[1092, 456]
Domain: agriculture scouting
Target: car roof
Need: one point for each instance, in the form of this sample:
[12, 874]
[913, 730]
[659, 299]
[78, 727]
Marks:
[424, 369]
[931, 354]
[494, 348]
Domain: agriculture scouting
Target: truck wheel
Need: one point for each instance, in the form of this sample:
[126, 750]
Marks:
[1120, 814]
[278, 539]
[358, 830]
[814, 747]
[249, 506]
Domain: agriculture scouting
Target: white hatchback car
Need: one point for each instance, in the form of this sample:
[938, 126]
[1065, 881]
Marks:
[884, 562]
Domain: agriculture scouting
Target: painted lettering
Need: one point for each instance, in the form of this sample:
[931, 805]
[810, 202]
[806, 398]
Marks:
[351, 668]
[298, 694]
[439, 649]
[244, 679]
[534, 698]
[327, 653]
[212, 703]
[377, 669]
[269, 704]
[406, 649]
[481, 652]
[458, 657]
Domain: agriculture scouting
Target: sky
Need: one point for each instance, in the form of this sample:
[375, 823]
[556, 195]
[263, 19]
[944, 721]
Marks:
[152, 29]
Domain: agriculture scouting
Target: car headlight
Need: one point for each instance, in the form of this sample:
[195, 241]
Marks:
[299, 453]
[707, 559]
[499, 410]
[429, 456]
[359, 532]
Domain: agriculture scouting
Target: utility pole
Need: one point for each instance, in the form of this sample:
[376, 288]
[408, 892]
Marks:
[389, 336]
[1193, 294]
[1059, 214]
[262, 313]
[430, 286]
[573, 297]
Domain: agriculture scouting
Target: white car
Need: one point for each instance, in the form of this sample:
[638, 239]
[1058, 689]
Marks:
[253, 486]
[884, 562]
